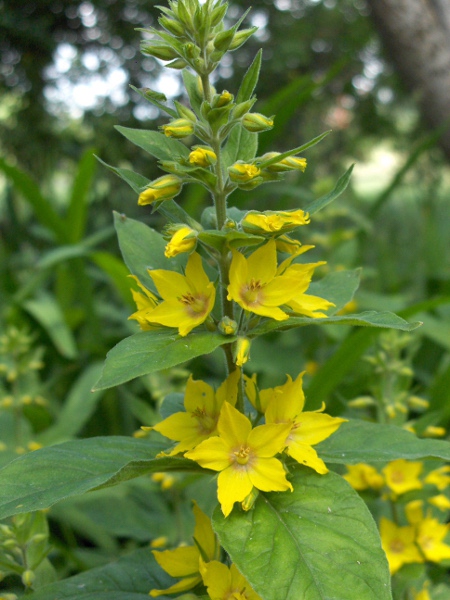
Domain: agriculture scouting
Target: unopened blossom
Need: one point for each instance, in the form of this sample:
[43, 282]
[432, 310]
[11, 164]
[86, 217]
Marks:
[307, 428]
[187, 299]
[291, 163]
[243, 172]
[183, 240]
[163, 188]
[256, 122]
[226, 583]
[202, 408]
[399, 544]
[202, 156]
[243, 456]
[179, 128]
[184, 562]
[274, 221]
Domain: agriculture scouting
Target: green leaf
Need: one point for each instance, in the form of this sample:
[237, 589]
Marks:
[38, 480]
[369, 318]
[241, 145]
[136, 181]
[76, 219]
[155, 143]
[340, 186]
[231, 238]
[117, 272]
[30, 191]
[143, 248]
[150, 351]
[359, 441]
[250, 80]
[338, 287]
[191, 84]
[49, 315]
[318, 542]
[129, 578]
[77, 409]
[155, 101]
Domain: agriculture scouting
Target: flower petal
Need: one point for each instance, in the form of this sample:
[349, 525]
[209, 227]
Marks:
[212, 453]
[306, 455]
[234, 485]
[233, 427]
[312, 427]
[198, 394]
[181, 562]
[270, 439]
[268, 475]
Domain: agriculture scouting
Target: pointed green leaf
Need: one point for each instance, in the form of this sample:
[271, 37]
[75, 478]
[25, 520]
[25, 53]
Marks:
[38, 480]
[241, 145]
[150, 351]
[283, 155]
[155, 143]
[154, 100]
[129, 578]
[47, 312]
[250, 79]
[318, 542]
[369, 318]
[191, 84]
[340, 186]
[76, 219]
[29, 189]
[359, 441]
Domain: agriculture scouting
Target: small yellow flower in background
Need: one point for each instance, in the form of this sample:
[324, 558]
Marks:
[242, 351]
[179, 128]
[349, 308]
[183, 240]
[183, 562]
[291, 163]
[257, 285]
[202, 405]
[226, 583]
[274, 221]
[256, 122]
[159, 542]
[307, 428]
[440, 501]
[433, 431]
[439, 477]
[145, 303]
[403, 476]
[165, 479]
[362, 477]
[163, 188]
[187, 299]
[202, 156]
[398, 543]
[244, 457]
[430, 536]
[243, 173]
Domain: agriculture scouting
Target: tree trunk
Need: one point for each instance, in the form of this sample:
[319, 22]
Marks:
[417, 36]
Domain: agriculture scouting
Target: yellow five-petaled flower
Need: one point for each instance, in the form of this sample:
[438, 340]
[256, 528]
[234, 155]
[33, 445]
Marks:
[244, 457]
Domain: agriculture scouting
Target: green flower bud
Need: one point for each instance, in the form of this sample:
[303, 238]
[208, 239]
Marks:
[28, 578]
[242, 108]
[223, 40]
[191, 51]
[152, 95]
[228, 326]
[178, 63]
[179, 128]
[173, 27]
[249, 501]
[241, 37]
[184, 112]
[163, 188]
[256, 123]
[159, 50]
[218, 14]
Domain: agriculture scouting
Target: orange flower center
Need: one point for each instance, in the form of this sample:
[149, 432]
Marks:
[251, 292]
[397, 477]
[242, 455]
[194, 306]
[397, 546]
[206, 423]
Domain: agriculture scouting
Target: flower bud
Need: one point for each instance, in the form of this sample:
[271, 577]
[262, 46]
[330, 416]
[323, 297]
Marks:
[224, 99]
[432, 431]
[178, 63]
[191, 51]
[161, 51]
[183, 240]
[417, 403]
[184, 112]
[256, 123]
[179, 128]
[218, 14]
[243, 172]
[361, 402]
[242, 108]
[163, 188]
[223, 40]
[242, 351]
[249, 501]
[291, 163]
[202, 156]
[227, 326]
[28, 578]
[241, 37]
[274, 222]
[172, 26]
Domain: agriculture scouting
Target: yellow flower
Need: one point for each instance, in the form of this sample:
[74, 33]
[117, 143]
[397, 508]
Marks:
[242, 351]
[202, 405]
[440, 501]
[244, 457]
[430, 536]
[179, 128]
[256, 122]
[290, 246]
[257, 286]
[403, 476]
[163, 188]
[291, 163]
[398, 543]
[183, 562]
[202, 156]
[145, 303]
[433, 431]
[362, 477]
[307, 428]
[183, 240]
[187, 299]
[226, 583]
[243, 173]
[274, 221]
[439, 477]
